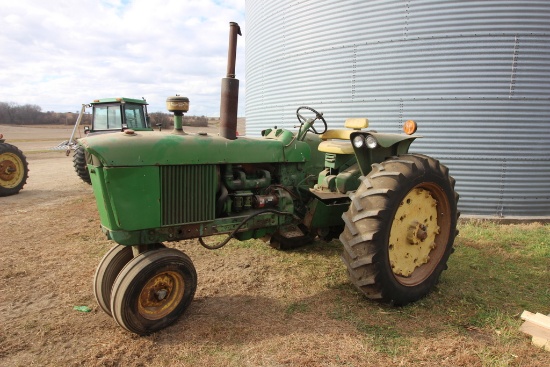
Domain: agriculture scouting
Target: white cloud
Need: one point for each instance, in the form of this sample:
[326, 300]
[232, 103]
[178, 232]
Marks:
[60, 54]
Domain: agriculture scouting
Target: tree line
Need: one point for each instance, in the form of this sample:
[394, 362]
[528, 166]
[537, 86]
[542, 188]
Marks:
[166, 120]
[29, 114]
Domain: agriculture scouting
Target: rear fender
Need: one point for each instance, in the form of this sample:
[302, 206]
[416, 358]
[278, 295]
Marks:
[388, 145]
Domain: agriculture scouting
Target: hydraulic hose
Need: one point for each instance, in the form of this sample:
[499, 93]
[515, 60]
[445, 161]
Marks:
[232, 234]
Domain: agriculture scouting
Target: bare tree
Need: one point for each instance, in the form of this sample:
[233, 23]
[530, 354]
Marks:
[161, 119]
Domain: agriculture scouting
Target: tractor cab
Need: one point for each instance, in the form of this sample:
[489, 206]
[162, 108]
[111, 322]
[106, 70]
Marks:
[109, 115]
[116, 114]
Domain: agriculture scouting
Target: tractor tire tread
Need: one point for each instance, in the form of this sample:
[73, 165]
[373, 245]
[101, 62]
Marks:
[80, 165]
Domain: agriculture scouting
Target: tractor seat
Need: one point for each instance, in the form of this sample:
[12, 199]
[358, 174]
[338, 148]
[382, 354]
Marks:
[338, 141]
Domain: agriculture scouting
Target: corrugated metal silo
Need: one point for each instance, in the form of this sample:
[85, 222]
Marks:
[475, 75]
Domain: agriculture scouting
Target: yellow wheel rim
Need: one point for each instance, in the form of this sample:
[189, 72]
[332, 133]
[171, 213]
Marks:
[12, 170]
[419, 234]
[161, 295]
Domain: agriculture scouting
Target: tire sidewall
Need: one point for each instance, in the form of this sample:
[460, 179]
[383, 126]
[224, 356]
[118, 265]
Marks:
[106, 273]
[131, 318]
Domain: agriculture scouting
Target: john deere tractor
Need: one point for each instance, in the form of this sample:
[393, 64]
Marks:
[395, 213]
[14, 168]
[108, 115]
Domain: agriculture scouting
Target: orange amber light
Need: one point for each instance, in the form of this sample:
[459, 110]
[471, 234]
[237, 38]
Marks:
[409, 127]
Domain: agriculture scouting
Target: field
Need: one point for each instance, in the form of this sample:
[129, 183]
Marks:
[254, 306]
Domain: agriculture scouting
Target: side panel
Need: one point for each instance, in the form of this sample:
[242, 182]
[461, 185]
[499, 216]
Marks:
[134, 194]
[101, 197]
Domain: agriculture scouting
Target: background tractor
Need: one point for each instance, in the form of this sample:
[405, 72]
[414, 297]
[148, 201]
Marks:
[14, 168]
[395, 213]
[108, 115]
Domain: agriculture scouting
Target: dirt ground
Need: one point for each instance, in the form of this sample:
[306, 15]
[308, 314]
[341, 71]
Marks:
[253, 307]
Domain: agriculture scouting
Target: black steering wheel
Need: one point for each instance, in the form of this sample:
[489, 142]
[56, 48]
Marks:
[302, 119]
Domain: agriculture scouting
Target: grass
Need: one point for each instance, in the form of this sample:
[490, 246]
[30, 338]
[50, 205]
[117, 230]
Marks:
[530, 240]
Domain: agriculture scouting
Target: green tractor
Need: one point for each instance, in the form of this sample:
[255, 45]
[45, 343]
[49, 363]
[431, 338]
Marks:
[395, 213]
[14, 169]
[108, 115]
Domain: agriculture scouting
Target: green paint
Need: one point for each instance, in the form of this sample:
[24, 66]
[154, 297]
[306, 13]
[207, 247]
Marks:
[152, 187]
[326, 214]
[388, 145]
[154, 148]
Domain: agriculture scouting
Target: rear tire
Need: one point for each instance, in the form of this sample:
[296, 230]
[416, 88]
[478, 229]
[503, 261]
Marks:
[80, 165]
[400, 228]
[153, 290]
[14, 169]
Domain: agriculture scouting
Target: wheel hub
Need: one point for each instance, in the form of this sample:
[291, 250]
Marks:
[417, 233]
[161, 295]
[11, 170]
[413, 232]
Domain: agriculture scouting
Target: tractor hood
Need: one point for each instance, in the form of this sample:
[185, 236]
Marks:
[130, 148]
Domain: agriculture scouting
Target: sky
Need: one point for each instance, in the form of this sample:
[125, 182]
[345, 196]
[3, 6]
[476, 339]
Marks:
[60, 54]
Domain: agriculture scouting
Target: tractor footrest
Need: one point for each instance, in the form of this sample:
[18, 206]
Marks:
[289, 237]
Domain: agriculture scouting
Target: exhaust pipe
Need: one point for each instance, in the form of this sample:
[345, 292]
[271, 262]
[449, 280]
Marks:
[230, 89]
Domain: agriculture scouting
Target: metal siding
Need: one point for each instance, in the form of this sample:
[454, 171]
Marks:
[475, 75]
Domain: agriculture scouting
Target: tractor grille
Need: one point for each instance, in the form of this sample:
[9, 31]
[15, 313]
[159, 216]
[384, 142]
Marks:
[188, 193]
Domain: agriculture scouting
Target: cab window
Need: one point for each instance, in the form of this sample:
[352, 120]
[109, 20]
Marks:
[135, 118]
[107, 117]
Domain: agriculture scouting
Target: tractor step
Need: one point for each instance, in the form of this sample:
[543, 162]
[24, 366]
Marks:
[289, 237]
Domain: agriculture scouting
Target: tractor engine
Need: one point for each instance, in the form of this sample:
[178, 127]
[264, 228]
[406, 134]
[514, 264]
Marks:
[246, 187]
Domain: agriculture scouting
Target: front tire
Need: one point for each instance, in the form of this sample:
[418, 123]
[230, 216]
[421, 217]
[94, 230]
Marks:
[400, 228]
[107, 271]
[80, 165]
[153, 290]
[14, 169]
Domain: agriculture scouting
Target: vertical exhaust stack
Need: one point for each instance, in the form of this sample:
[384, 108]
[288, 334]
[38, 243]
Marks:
[230, 89]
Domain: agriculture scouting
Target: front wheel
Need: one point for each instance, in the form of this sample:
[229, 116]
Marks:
[80, 164]
[153, 290]
[107, 271]
[400, 228]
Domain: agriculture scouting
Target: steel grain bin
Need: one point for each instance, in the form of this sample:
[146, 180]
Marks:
[475, 75]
